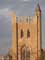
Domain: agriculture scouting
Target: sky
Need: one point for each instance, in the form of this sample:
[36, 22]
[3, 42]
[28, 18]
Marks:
[22, 8]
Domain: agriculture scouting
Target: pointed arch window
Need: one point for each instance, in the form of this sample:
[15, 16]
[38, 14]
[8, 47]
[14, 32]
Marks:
[21, 33]
[25, 54]
[28, 33]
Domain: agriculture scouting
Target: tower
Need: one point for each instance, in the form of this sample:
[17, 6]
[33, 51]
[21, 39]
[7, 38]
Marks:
[26, 37]
[13, 36]
[39, 37]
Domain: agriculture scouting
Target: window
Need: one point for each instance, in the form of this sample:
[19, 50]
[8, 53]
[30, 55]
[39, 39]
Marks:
[28, 33]
[21, 33]
[25, 54]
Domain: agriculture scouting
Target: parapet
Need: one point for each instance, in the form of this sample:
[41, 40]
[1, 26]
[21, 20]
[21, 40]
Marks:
[26, 19]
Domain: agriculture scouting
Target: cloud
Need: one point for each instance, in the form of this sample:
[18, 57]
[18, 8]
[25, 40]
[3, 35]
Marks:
[5, 29]
[3, 11]
[26, 0]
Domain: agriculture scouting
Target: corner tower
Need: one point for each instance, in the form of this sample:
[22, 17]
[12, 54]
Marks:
[39, 42]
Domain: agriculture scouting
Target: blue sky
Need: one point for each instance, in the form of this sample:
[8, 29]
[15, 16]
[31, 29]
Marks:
[22, 8]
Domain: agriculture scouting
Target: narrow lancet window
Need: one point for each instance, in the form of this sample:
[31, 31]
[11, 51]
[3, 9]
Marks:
[28, 33]
[21, 33]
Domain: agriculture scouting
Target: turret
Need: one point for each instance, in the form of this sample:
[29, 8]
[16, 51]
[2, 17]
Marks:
[38, 10]
[39, 37]
[14, 50]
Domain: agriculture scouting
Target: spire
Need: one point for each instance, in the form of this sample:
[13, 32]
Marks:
[38, 10]
[38, 7]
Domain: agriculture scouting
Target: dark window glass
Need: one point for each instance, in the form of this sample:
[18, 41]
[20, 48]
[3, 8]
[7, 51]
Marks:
[21, 33]
[28, 33]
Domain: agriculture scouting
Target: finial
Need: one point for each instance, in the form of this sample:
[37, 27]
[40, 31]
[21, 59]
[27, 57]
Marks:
[38, 7]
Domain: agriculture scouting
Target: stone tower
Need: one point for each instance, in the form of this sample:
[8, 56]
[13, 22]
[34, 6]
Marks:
[13, 50]
[26, 36]
[39, 37]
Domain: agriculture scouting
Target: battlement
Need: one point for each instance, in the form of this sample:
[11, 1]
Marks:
[23, 19]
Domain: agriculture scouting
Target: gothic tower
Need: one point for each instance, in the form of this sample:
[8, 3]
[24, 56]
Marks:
[26, 37]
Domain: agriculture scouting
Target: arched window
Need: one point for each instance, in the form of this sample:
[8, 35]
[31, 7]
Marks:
[25, 54]
[21, 33]
[28, 33]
